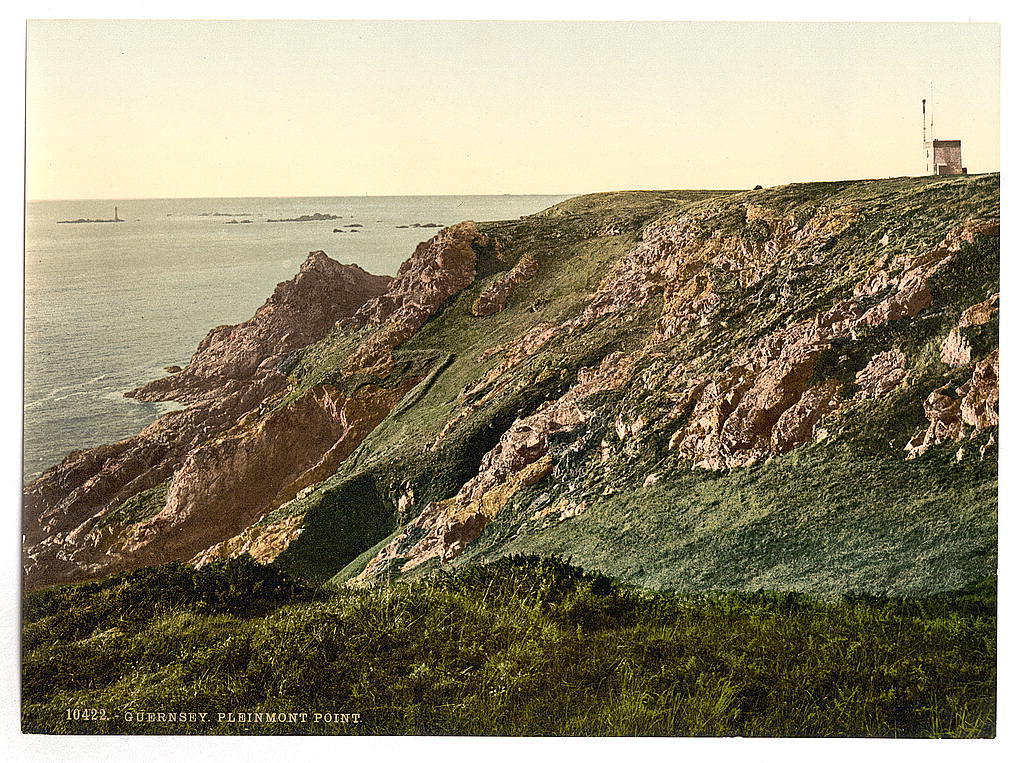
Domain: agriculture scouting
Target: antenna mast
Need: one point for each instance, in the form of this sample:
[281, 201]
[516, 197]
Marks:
[924, 135]
[932, 122]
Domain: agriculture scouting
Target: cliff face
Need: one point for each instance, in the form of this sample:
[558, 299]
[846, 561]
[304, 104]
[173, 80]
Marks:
[300, 312]
[70, 510]
[789, 388]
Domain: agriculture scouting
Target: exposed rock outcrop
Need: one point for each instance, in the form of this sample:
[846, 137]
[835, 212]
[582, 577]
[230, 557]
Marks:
[229, 483]
[661, 338]
[761, 403]
[439, 269]
[744, 414]
[233, 371]
[521, 458]
[300, 312]
[493, 298]
[881, 375]
[951, 415]
[231, 455]
[263, 542]
[956, 350]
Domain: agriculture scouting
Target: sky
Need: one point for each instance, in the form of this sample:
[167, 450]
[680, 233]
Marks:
[137, 109]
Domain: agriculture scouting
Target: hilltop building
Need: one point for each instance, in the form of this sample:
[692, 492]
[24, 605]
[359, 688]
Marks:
[944, 157]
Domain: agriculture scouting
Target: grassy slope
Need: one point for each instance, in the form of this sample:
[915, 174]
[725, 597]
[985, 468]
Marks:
[845, 514]
[522, 646]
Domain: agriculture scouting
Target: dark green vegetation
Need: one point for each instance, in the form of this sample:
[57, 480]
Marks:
[523, 646]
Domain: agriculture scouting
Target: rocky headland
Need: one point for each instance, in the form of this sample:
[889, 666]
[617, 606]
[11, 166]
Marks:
[793, 388]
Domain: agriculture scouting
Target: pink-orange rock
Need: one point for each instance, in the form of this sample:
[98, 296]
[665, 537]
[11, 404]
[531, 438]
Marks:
[221, 484]
[956, 350]
[521, 458]
[914, 297]
[979, 406]
[761, 405]
[231, 374]
[882, 374]
[301, 311]
[981, 313]
[944, 423]
[226, 485]
[900, 271]
[229, 483]
[263, 542]
[797, 423]
[493, 298]
[439, 269]
[739, 415]
[976, 405]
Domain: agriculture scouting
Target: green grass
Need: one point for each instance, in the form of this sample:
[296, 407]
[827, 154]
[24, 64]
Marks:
[524, 646]
[139, 507]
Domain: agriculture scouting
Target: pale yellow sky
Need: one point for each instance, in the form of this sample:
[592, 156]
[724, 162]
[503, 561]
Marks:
[176, 109]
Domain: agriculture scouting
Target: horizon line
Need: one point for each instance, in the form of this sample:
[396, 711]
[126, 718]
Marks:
[415, 195]
[305, 196]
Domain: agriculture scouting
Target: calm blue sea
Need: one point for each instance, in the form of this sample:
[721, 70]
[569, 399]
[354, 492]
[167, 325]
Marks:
[108, 306]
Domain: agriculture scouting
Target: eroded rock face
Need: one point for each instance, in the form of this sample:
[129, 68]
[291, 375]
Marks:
[495, 296]
[229, 483]
[771, 395]
[234, 454]
[439, 269]
[263, 542]
[882, 374]
[972, 405]
[226, 485]
[762, 404]
[674, 258]
[521, 458]
[980, 397]
[231, 374]
[956, 350]
[300, 312]
[744, 414]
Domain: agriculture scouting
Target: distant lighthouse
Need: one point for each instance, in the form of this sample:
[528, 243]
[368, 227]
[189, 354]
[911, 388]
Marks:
[116, 218]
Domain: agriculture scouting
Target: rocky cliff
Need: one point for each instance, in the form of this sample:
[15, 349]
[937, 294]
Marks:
[790, 388]
[76, 511]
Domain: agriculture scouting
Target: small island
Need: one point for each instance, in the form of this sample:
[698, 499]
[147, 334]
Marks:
[89, 220]
[315, 217]
[421, 225]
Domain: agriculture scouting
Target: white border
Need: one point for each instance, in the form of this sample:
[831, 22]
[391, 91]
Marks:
[106, 749]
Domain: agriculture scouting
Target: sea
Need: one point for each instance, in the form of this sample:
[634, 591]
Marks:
[108, 306]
